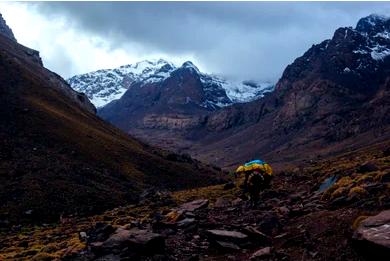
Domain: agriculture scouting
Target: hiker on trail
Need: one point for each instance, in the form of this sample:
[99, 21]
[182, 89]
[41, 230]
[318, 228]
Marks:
[258, 175]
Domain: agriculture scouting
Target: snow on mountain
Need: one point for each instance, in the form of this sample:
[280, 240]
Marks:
[376, 31]
[240, 91]
[104, 86]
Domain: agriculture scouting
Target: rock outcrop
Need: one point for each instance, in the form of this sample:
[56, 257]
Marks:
[373, 235]
[5, 30]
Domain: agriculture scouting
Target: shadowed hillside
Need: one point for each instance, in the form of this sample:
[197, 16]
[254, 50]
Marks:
[58, 157]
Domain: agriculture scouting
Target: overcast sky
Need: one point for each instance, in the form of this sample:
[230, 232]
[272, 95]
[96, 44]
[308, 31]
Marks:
[246, 40]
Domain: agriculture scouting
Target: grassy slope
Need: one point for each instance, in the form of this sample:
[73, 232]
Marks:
[56, 157]
[328, 228]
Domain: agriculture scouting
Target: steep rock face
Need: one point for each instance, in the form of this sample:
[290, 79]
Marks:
[32, 57]
[57, 157]
[174, 102]
[336, 91]
[5, 30]
[339, 76]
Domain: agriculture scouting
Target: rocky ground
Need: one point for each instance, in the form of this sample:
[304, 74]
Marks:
[325, 210]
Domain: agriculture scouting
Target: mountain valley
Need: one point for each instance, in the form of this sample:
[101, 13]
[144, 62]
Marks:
[138, 162]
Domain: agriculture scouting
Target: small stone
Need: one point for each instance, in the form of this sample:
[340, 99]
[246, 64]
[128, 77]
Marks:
[83, 236]
[261, 254]
[256, 235]
[186, 222]
[237, 201]
[228, 245]
[189, 214]
[284, 210]
[281, 235]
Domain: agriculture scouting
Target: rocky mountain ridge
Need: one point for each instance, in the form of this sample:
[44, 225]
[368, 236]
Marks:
[104, 86]
[334, 93]
[5, 30]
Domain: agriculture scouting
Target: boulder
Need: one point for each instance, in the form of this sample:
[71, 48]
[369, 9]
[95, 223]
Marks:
[100, 232]
[367, 167]
[256, 235]
[261, 254]
[134, 240]
[222, 203]
[237, 202]
[373, 235]
[194, 205]
[226, 236]
[174, 216]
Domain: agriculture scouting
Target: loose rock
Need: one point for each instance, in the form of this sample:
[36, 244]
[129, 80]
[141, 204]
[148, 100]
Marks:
[195, 205]
[134, 240]
[222, 203]
[261, 254]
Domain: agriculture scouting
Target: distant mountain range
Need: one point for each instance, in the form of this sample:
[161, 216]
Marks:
[335, 92]
[104, 86]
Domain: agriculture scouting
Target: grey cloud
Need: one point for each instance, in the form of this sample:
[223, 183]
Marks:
[242, 39]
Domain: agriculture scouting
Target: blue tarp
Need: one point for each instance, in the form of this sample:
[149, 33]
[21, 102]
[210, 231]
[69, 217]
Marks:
[254, 162]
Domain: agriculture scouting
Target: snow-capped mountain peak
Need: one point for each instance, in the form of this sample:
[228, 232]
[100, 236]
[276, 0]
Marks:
[104, 86]
[375, 32]
[373, 22]
[191, 66]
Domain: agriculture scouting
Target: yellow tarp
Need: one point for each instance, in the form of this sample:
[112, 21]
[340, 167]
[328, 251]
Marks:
[264, 168]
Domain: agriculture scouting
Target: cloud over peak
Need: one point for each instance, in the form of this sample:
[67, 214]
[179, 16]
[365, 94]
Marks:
[253, 40]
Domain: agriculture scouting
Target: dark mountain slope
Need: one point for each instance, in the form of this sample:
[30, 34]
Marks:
[58, 157]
